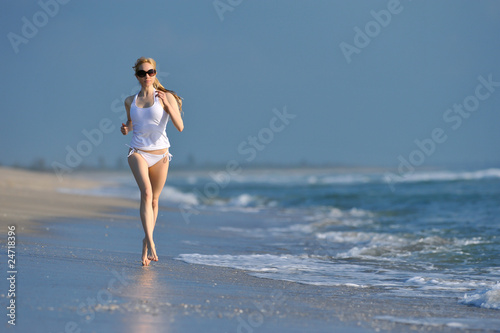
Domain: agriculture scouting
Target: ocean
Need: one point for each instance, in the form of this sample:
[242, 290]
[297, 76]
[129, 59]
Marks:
[430, 234]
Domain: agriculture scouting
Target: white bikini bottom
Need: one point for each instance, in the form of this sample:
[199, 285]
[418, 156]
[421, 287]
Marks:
[151, 159]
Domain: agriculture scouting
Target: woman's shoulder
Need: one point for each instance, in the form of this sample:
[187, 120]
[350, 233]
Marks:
[129, 100]
[170, 95]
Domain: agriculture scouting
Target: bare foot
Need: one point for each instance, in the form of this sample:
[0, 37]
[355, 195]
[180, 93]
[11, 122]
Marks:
[151, 253]
[145, 259]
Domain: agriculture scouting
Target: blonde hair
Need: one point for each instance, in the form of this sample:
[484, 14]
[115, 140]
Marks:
[157, 85]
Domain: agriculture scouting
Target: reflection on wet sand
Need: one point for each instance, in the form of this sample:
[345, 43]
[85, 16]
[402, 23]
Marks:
[146, 300]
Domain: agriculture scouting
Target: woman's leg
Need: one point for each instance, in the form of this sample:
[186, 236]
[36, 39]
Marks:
[140, 171]
[158, 176]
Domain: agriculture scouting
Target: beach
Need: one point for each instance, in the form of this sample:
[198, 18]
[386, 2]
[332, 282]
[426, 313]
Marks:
[30, 198]
[78, 268]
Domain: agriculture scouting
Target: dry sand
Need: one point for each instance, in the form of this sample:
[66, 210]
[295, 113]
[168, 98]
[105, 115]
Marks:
[27, 198]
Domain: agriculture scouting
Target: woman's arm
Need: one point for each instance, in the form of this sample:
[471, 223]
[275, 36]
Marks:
[170, 106]
[127, 127]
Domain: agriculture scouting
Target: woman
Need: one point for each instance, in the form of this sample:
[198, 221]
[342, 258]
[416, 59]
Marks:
[148, 113]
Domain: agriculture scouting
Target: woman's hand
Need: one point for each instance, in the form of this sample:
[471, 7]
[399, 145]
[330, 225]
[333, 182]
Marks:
[124, 129]
[171, 107]
[163, 96]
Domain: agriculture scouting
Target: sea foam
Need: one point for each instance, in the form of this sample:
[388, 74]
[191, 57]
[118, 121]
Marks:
[448, 175]
[488, 298]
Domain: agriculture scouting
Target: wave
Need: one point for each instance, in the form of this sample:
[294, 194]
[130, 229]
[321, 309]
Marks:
[242, 202]
[340, 179]
[353, 217]
[437, 282]
[488, 298]
[297, 230]
[433, 323]
[245, 200]
[169, 194]
[431, 176]
[372, 245]
[307, 177]
[302, 177]
[321, 271]
[318, 221]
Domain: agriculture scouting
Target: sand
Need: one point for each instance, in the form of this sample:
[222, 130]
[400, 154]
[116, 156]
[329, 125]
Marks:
[27, 198]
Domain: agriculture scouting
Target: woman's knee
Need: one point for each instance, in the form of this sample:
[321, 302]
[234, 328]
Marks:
[147, 195]
[155, 202]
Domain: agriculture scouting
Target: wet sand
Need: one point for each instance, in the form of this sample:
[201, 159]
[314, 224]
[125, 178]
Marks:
[81, 272]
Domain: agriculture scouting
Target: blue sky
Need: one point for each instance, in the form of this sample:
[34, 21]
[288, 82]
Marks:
[237, 64]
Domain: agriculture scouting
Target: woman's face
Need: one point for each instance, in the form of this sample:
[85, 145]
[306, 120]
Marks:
[149, 78]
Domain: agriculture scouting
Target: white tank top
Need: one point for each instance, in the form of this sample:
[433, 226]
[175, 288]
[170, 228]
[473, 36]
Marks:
[149, 125]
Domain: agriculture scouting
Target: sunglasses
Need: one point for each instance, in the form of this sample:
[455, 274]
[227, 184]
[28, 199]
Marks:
[141, 73]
